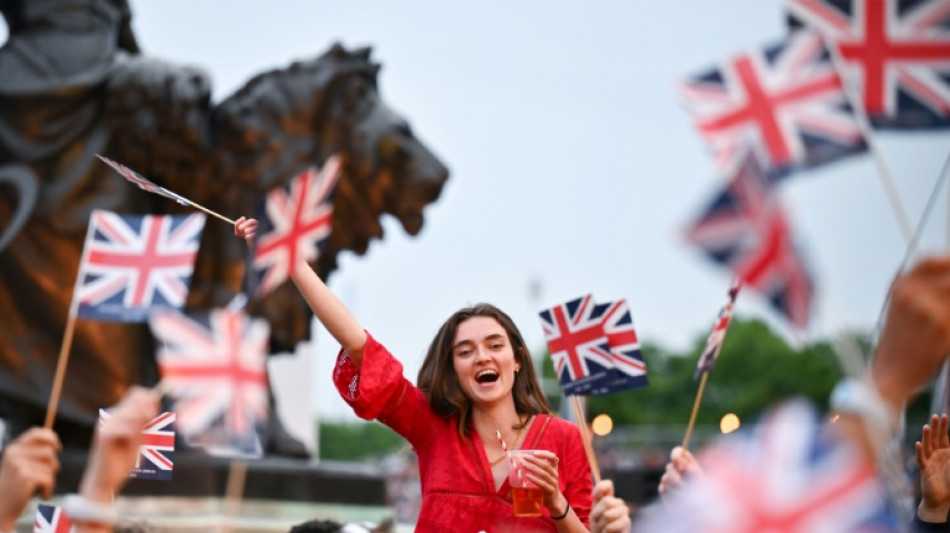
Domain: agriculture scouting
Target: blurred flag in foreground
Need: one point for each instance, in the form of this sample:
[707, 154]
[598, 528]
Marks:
[214, 367]
[745, 229]
[789, 475]
[898, 51]
[785, 104]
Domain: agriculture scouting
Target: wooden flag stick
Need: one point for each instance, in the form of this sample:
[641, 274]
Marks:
[585, 437]
[160, 388]
[61, 363]
[212, 213]
[947, 229]
[234, 492]
[692, 417]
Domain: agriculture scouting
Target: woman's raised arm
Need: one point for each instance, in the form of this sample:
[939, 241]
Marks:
[329, 310]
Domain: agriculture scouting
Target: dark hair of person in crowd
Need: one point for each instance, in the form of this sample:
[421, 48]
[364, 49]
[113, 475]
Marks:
[317, 526]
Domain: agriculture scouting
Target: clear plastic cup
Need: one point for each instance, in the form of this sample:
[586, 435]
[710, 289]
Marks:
[526, 497]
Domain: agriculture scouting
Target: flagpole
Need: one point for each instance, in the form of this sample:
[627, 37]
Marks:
[60, 370]
[864, 124]
[212, 213]
[234, 492]
[692, 417]
[63, 359]
[585, 437]
[947, 229]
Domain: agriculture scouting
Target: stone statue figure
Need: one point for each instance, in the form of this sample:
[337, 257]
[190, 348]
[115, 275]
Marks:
[73, 84]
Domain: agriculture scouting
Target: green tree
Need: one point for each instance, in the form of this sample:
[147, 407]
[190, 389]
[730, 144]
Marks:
[357, 440]
[755, 370]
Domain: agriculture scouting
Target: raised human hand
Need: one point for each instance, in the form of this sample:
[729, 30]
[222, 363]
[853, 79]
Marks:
[246, 228]
[916, 334]
[541, 468]
[682, 466]
[29, 465]
[609, 514]
[115, 446]
[933, 460]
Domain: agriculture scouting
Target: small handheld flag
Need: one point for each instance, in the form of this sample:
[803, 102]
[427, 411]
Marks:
[145, 184]
[594, 347]
[156, 454]
[50, 519]
[295, 222]
[132, 264]
[718, 334]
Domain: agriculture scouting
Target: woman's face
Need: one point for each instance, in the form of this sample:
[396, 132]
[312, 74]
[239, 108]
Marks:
[484, 360]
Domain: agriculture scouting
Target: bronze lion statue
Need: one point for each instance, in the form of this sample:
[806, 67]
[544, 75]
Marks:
[98, 94]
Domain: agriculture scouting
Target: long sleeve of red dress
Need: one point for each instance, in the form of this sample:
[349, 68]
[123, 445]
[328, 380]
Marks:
[458, 492]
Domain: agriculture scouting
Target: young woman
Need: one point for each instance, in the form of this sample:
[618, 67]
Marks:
[477, 379]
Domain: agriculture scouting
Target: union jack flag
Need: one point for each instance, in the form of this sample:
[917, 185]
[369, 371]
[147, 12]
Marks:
[214, 367]
[134, 264]
[718, 334]
[295, 222]
[786, 104]
[594, 347]
[51, 519]
[787, 476]
[578, 345]
[629, 369]
[897, 50]
[745, 229]
[156, 454]
[142, 182]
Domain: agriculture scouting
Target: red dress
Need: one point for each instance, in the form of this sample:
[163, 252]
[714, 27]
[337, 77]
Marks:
[458, 490]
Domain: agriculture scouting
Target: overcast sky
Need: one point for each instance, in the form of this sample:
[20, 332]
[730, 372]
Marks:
[574, 167]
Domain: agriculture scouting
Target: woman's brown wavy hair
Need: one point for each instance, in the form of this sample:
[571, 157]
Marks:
[437, 378]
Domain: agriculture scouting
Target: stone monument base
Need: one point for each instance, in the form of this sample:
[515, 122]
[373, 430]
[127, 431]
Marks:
[277, 494]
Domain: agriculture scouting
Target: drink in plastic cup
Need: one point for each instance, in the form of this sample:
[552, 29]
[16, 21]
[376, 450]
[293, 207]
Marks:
[527, 498]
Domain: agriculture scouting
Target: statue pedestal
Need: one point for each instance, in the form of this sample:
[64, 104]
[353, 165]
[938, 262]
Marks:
[278, 493]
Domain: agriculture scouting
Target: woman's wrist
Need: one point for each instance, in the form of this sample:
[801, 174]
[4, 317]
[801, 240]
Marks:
[933, 515]
[560, 508]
